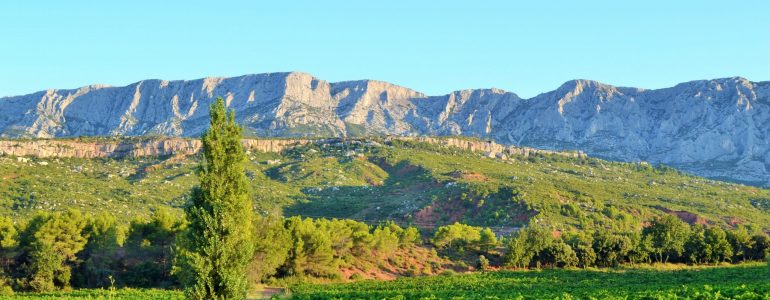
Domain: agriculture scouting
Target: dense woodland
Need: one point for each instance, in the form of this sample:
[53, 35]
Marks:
[62, 250]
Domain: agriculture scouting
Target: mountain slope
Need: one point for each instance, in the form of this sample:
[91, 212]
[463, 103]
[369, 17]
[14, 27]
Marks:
[407, 180]
[716, 128]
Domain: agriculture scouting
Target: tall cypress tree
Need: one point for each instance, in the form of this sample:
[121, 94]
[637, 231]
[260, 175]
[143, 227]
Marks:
[216, 248]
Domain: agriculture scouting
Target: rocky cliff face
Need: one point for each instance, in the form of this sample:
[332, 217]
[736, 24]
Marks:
[129, 148]
[716, 128]
[47, 148]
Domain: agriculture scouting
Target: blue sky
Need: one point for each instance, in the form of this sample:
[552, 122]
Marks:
[435, 47]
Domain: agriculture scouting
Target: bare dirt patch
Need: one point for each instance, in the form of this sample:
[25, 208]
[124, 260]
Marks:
[686, 216]
[467, 175]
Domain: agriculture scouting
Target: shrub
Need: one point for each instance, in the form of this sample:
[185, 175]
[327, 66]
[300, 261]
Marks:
[5, 286]
[483, 263]
[356, 277]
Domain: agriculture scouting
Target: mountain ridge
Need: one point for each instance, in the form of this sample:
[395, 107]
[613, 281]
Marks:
[718, 128]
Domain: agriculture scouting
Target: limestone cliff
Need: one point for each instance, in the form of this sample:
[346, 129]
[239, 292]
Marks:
[115, 148]
[127, 148]
[716, 128]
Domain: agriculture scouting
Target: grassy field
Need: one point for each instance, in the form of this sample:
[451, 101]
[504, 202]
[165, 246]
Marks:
[750, 281]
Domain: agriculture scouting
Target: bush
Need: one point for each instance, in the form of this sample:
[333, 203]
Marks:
[558, 254]
[483, 263]
[356, 277]
[5, 286]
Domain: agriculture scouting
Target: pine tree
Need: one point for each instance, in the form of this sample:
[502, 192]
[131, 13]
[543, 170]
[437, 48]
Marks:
[487, 241]
[217, 246]
[52, 243]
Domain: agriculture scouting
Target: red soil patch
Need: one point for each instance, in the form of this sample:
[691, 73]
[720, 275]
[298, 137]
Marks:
[373, 274]
[733, 221]
[686, 216]
[470, 176]
[406, 170]
[427, 215]
[453, 209]
[403, 262]
[523, 217]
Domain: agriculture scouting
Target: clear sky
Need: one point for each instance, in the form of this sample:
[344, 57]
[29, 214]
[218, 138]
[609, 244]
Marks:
[435, 47]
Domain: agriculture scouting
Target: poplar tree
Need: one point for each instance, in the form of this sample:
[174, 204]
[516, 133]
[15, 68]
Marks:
[217, 246]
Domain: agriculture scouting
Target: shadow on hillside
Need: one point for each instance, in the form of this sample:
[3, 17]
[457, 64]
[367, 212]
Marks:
[407, 188]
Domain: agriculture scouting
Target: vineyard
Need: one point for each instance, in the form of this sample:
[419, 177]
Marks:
[750, 281]
[144, 294]
[745, 281]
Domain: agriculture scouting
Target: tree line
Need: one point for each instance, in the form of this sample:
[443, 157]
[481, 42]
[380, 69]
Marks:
[61, 250]
[666, 239]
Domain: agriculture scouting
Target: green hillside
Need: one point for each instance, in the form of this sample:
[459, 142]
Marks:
[413, 183]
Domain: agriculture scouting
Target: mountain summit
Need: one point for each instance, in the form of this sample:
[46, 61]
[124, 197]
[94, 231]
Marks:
[715, 128]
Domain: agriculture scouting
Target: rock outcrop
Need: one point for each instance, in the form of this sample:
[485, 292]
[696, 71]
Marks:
[128, 148]
[715, 128]
[114, 148]
[489, 148]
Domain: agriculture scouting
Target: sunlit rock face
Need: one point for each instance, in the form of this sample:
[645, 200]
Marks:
[715, 128]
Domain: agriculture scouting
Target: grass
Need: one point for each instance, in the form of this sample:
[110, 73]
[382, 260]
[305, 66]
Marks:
[749, 281]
